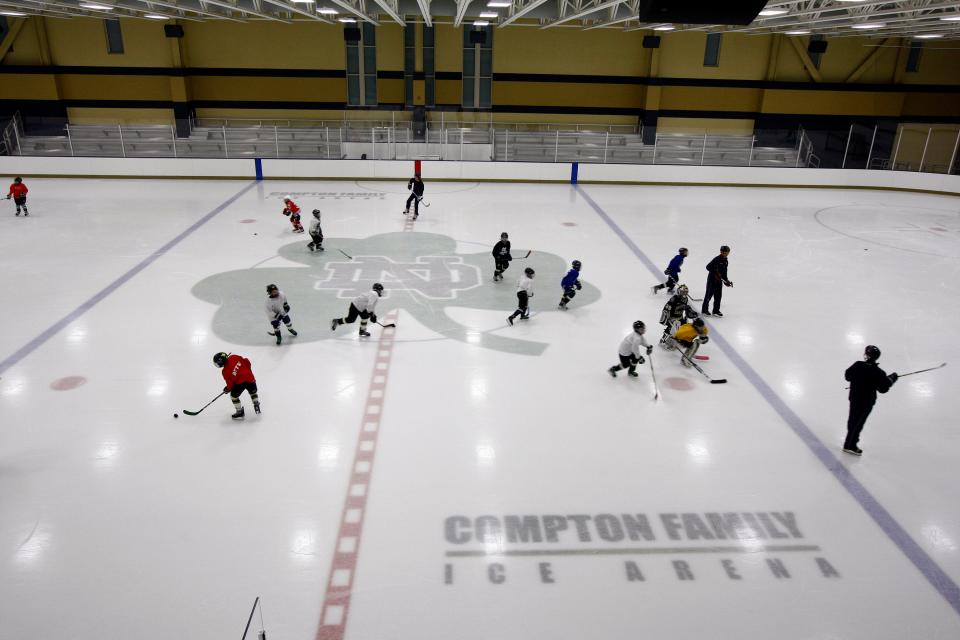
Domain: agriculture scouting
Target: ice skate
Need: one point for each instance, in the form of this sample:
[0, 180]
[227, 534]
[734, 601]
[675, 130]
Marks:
[334, 324]
[854, 451]
[612, 371]
[238, 415]
[292, 331]
[364, 333]
[510, 320]
[256, 408]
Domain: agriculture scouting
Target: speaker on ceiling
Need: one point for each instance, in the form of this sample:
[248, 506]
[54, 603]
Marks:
[817, 46]
[740, 12]
[478, 37]
[651, 42]
[351, 34]
[173, 30]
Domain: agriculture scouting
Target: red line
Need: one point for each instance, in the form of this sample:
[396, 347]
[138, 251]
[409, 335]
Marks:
[346, 552]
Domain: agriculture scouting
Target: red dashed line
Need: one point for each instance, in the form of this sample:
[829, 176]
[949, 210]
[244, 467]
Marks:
[343, 568]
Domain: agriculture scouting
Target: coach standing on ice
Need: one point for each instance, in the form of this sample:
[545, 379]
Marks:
[716, 281]
[866, 378]
[415, 186]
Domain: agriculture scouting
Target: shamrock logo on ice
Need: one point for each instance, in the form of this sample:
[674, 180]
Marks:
[423, 273]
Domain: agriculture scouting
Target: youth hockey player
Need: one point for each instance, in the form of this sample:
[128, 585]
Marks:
[501, 257]
[630, 351]
[238, 375]
[415, 186]
[688, 339]
[291, 209]
[278, 310]
[716, 281]
[362, 306]
[675, 312]
[866, 378]
[570, 285]
[18, 191]
[316, 233]
[672, 272]
[524, 293]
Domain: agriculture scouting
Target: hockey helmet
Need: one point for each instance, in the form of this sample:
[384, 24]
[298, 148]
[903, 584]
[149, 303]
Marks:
[576, 265]
[18, 180]
[639, 327]
[220, 359]
[698, 323]
[683, 290]
[504, 236]
[287, 199]
[378, 288]
[872, 352]
[272, 289]
[529, 271]
[683, 251]
[316, 213]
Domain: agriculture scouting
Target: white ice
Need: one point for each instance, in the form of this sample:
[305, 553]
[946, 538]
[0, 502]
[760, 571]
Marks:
[119, 521]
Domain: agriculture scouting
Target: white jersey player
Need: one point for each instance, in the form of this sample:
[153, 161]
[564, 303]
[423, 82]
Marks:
[364, 307]
[631, 351]
[524, 293]
[278, 310]
[316, 233]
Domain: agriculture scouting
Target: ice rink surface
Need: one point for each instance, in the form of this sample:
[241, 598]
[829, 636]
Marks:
[458, 477]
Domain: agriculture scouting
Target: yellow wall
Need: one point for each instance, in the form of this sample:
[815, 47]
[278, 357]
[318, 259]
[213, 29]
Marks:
[651, 80]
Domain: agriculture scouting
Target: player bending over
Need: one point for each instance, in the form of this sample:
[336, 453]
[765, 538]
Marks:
[18, 191]
[238, 375]
[672, 272]
[278, 310]
[688, 339]
[291, 209]
[524, 293]
[675, 313]
[630, 351]
[316, 233]
[570, 284]
[501, 257]
[363, 306]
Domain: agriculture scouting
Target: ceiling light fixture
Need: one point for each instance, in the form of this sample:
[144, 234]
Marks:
[480, 23]
[495, 3]
[665, 27]
[489, 14]
[348, 19]
[928, 36]
[955, 18]
[302, 1]
[772, 12]
[156, 16]
[12, 13]
[96, 7]
[327, 11]
[798, 32]
[869, 25]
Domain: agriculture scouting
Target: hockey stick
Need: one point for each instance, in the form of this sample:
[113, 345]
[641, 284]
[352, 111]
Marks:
[193, 413]
[904, 375]
[389, 325]
[653, 375]
[526, 256]
[345, 253]
[697, 367]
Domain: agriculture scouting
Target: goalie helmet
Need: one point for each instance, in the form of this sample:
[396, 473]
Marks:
[683, 291]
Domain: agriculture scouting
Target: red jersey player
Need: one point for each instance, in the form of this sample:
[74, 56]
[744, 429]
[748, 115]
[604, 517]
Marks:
[18, 191]
[291, 209]
[239, 378]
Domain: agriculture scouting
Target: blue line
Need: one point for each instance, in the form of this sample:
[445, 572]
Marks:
[897, 534]
[56, 327]
[258, 168]
[574, 170]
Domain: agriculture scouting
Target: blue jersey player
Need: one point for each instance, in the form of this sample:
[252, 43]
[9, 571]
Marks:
[570, 284]
[672, 272]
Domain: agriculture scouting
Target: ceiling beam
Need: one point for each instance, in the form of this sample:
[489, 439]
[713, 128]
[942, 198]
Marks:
[385, 5]
[252, 12]
[425, 11]
[584, 12]
[200, 11]
[462, 6]
[343, 4]
[302, 12]
[530, 6]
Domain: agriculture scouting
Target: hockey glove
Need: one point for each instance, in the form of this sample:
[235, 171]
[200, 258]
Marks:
[893, 377]
[729, 283]
[649, 349]
[286, 212]
[578, 285]
[226, 389]
[641, 359]
[704, 339]
[373, 318]
[286, 308]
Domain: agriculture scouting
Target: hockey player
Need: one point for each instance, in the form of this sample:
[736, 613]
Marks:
[18, 191]
[866, 378]
[278, 310]
[675, 313]
[362, 306]
[238, 375]
[570, 285]
[316, 233]
[415, 186]
[672, 272]
[716, 281]
[630, 351]
[524, 293]
[688, 339]
[291, 209]
[501, 257]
